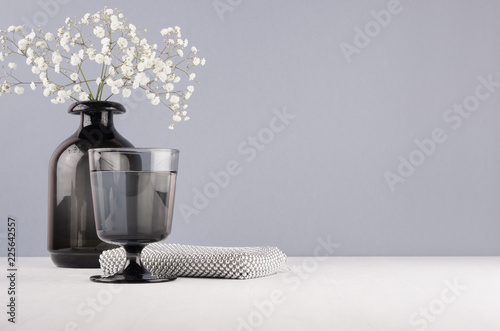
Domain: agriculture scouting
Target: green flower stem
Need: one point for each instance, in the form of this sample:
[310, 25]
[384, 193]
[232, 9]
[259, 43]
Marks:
[101, 85]
[86, 83]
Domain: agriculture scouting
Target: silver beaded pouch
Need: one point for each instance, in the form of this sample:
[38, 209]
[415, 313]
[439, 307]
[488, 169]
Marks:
[199, 261]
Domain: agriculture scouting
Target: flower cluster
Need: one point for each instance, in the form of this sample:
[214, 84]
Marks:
[118, 52]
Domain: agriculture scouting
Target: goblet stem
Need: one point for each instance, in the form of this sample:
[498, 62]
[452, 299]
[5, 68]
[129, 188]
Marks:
[133, 271]
[133, 268]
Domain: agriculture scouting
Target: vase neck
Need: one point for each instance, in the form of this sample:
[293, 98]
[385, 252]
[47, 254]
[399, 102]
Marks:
[96, 119]
[96, 124]
[96, 127]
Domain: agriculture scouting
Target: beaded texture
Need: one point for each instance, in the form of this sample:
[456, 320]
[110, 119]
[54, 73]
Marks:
[199, 261]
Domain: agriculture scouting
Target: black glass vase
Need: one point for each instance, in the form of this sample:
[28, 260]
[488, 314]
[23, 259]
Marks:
[72, 237]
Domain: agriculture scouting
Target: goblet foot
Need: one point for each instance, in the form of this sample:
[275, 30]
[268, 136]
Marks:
[133, 271]
[137, 279]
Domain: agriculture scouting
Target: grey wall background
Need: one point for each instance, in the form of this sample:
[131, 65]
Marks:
[322, 176]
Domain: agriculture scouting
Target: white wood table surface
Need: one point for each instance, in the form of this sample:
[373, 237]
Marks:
[318, 293]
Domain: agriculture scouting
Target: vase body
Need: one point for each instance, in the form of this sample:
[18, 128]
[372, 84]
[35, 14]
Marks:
[72, 236]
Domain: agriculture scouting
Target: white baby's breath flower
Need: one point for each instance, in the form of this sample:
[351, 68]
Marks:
[41, 44]
[174, 99]
[141, 78]
[31, 35]
[99, 58]
[64, 41]
[126, 93]
[169, 87]
[85, 19]
[123, 67]
[99, 31]
[115, 25]
[39, 61]
[155, 101]
[122, 42]
[171, 126]
[91, 53]
[127, 71]
[110, 82]
[75, 60]
[56, 58]
[22, 44]
[83, 96]
[162, 76]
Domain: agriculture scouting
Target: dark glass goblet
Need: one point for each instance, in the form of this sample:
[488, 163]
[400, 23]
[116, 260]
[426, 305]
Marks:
[133, 195]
